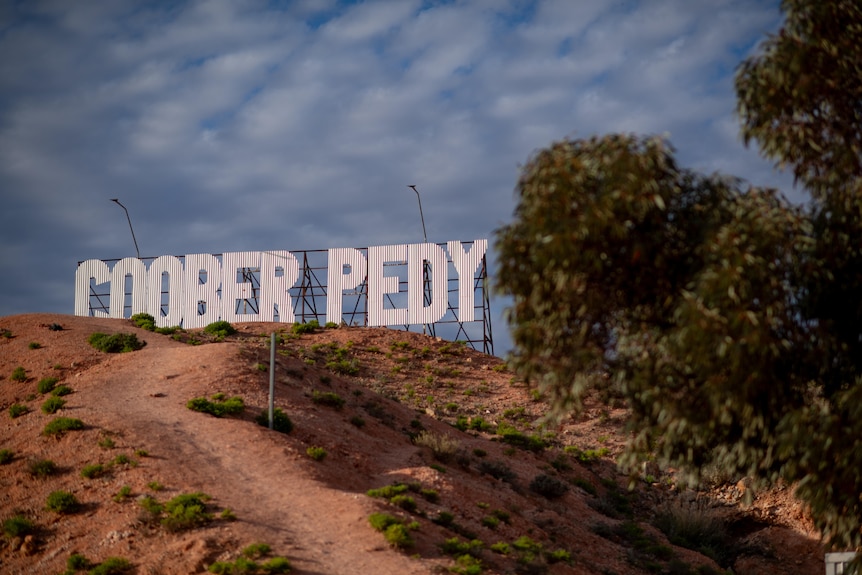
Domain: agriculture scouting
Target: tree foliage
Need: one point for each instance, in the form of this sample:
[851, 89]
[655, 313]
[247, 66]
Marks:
[730, 320]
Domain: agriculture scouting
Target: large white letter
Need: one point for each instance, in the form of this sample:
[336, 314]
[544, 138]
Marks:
[232, 290]
[174, 269]
[202, 304]
[417, 255]
[89, 270]
[338, 281]
[137, 270]
[466, 264]
[380, 285]
[274, 288]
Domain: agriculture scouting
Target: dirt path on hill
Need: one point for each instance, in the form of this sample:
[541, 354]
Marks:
[245, 468]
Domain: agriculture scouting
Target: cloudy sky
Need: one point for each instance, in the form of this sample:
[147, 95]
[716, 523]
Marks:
[291, 125]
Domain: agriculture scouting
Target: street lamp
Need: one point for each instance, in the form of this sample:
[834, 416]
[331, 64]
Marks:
[426, 288]
[117, 201]
[413, 187]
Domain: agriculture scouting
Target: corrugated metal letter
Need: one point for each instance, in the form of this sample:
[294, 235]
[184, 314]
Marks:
[379, 285]
[417, 255]
[274, 288]
[89, 270]
[174, 268]
[466, 264]
[232, 290]
[201, 296]
[138, 271]
[338, 281]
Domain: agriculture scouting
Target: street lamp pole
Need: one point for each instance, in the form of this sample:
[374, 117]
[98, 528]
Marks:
[426, 288]
[424, 233]
[117, 201]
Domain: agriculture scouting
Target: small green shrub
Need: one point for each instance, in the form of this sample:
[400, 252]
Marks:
[144, 321]
[443, 447]
[257, 550]
[92, 471]
[357, 421]
[497, 470]
[301, 328]
[155, 486]
[35, 345]
[388, 491]
[46, 384]
[223, 408]
[122, 459]
[19, 374]
[117, 343]
[316, 453]
[186, 511]
[142, 453]
[586, 456]
[395, 532]
[490, 522]
[456, 547]
[585, 485]
[60, 425]
[509, 434]
[124, 493]
[111, 566]
[280, 421]
[18, 526]
[107, 442]
[220, 329]
[547, 486]
[696, 526]
[62, 502]
[327, 398]
[17, 410]
[61, 390]
[42, 468]
[344, 366]
[53, 405]
[77, 562]
[6, 334]
[6, 456]
[404, 502]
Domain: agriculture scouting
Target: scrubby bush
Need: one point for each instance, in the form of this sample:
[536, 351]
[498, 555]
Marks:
[443, 446]
[53, 405]
[301, 328]
[92, 471]
[186, 511]
[18, 526]
[17, 410]
[46, 384]
[497, 470]
[116, 343]
[280, 420]
[316, 453]
[19, 374]
[77, 562]
[111, 566]
[395, 532]
[328, 398]
[35, 345]
[42, 468]
[60, 425]
[218, 408]
[220, 329]
[6, 455]
[61, 390]
[548, 486]
[144, 321]
[62, 502]
[696, 526]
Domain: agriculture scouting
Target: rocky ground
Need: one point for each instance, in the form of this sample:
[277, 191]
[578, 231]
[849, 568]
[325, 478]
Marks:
[383, 407]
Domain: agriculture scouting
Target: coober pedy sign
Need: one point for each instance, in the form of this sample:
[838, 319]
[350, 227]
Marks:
[195, 290]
